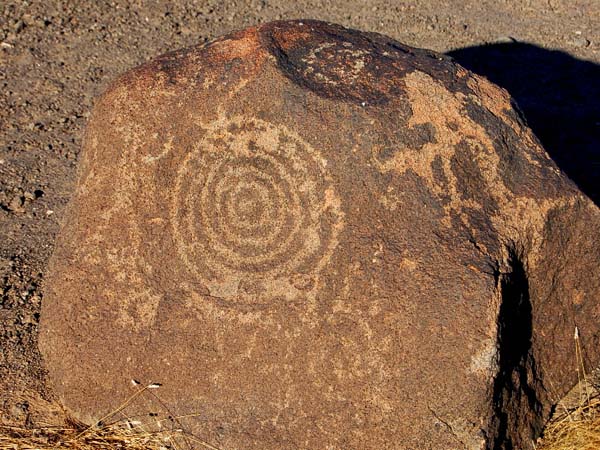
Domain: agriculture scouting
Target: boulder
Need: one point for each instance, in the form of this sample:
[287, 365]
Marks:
[315, 237]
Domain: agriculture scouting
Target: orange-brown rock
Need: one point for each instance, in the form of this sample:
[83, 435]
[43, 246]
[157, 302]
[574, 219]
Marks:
[314, 237]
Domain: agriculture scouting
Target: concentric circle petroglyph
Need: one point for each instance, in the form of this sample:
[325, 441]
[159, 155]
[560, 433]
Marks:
[253, 200]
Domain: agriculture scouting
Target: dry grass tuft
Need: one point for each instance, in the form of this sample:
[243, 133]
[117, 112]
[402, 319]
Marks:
[79, 437]
[577, 430]
[576, 426]
[110, 433]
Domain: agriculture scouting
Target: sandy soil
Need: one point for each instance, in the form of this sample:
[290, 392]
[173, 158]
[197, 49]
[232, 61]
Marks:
[57, 56]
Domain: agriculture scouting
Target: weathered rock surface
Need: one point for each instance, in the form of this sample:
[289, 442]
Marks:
[320, 238]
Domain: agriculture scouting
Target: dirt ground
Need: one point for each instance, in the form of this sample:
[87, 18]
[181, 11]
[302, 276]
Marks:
[57, 56]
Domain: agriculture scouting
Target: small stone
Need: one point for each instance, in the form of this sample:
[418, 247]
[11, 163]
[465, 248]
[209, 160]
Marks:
[16, 204]
[10, 38]
[505, 40]
[580, 42]
[19, 411]
[18, 26]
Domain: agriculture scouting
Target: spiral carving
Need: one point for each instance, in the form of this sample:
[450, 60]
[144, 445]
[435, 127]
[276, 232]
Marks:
[253, 200]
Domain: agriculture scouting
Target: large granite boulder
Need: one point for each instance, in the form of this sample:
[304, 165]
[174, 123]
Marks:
[314, 237]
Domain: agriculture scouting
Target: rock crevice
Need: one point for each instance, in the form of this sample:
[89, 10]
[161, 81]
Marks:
[517, 385]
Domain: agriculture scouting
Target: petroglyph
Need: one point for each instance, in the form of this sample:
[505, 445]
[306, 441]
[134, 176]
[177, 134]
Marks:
[344, 63]
[463, 146]
[252, 201]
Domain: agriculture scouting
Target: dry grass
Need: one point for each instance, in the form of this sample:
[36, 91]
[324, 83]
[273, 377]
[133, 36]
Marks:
[574, 428]
[110, 433]
[577, 426]
[78, 437]
[577, 430]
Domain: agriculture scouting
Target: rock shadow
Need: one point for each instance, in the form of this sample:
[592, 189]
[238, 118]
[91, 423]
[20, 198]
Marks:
[559, 95]
[517, 411]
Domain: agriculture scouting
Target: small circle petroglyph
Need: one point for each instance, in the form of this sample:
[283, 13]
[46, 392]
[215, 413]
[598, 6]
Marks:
[253, 200]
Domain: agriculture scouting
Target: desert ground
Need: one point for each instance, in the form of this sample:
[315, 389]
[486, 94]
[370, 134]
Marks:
[56, 57]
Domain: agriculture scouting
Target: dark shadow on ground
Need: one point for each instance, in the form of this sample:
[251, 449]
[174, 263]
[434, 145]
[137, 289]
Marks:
[559, 96]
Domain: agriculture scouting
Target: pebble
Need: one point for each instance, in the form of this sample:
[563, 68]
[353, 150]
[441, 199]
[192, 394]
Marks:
[505, 40]
[19, 411]
[16, 204]
[580, 41]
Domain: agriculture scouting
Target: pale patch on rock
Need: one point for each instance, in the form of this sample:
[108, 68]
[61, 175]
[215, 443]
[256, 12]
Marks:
[483, 362]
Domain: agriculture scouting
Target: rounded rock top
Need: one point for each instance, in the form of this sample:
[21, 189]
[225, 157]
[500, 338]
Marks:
[316, 237]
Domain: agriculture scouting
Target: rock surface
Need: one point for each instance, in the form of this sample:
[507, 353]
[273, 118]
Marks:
[314, 237]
